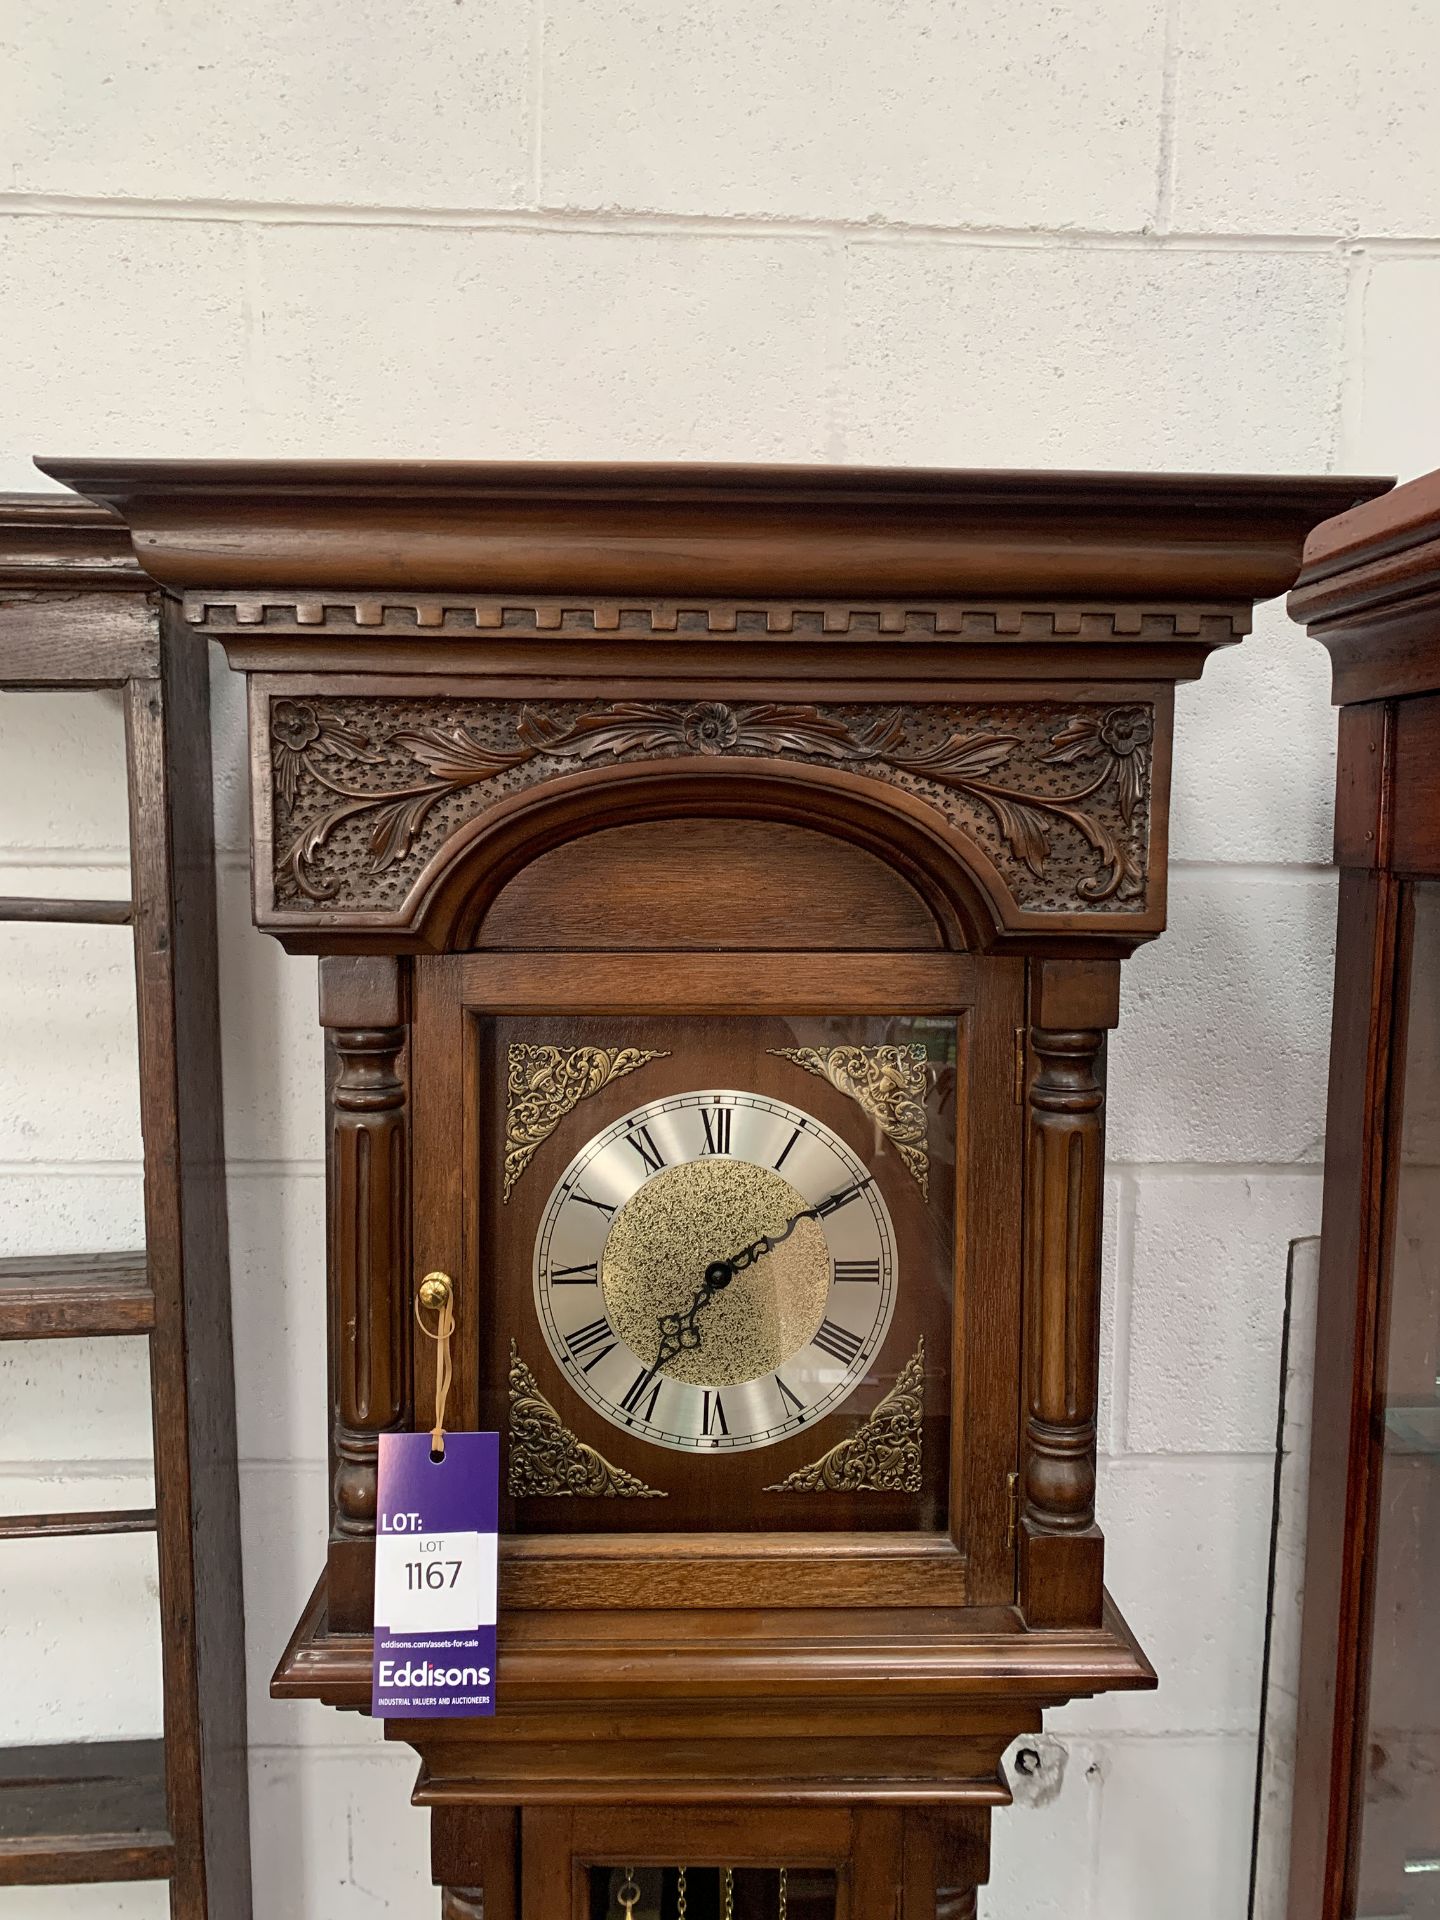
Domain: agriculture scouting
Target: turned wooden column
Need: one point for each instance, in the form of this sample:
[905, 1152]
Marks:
[362, 1007]
[1072, 1003]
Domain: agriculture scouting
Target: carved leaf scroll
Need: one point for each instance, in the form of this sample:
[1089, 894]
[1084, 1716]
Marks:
[883, 1454]
[548, 1461]
[545, 1083]
[367, 787]
[887, 1083]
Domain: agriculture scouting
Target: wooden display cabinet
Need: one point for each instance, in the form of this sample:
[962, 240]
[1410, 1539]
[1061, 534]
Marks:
[1366, 1830]
[720, 879]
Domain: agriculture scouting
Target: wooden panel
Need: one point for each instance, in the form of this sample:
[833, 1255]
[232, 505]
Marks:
[707, 884]
[803, 982]
[1362, 772]
[50, 639]
[587, 1571]
[714, 1836]
[87, 1812]
[1415, 783]
[59, 1296]
[990, 1179]
[475, 1856]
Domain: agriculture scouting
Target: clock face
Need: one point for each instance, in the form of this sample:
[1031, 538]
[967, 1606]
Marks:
[715, 1271]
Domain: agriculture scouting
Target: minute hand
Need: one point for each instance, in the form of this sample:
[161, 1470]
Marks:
[747, 1256]
[680, 1332]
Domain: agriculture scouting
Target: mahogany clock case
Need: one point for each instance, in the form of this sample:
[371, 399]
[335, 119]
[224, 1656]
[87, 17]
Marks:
[841, 791]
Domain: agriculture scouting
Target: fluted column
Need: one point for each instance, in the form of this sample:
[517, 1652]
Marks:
[1061, 1551]
[362, 1007]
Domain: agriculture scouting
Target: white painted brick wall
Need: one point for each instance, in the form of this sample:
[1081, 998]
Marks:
[1163, 233]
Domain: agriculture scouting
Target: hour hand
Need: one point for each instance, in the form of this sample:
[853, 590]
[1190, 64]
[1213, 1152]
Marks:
[680, 1332]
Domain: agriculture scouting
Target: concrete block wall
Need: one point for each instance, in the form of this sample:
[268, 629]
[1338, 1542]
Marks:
[1150, 233]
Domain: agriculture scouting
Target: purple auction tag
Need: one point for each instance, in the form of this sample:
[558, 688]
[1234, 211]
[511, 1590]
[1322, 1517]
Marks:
[435, 1564]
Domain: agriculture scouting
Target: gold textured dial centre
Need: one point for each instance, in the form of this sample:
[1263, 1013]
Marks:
[683, 1221]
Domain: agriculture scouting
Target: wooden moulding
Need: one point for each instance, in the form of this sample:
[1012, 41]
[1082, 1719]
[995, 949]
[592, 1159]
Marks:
[724, 1653]
[681, 529]
[78, 610]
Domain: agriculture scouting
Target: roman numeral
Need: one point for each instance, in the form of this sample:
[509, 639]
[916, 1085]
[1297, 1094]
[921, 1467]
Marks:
[785, 1394]
[714, 1416]
[600, 1206]
[597, 1334]
[785, 1150]
[636, 1395]
[838, 1342]
[858, 1270]
[576, 1276]
[716, 1122]
[640, 1140]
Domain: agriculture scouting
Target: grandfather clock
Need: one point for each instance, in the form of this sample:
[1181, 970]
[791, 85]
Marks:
[720, 878]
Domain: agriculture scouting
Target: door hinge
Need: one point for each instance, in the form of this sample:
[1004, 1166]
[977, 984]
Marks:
[1012, 1488]
[1021, 1063]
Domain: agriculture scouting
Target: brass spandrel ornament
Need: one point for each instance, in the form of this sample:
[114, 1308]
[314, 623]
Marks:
[548, 1461]
[545, 1083]
[883, 1453]
[887, 1083]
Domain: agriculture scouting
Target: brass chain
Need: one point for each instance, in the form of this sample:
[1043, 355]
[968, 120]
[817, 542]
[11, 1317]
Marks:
[680, 1895]
[728, 1883]
[628, 1893]
[784, 1896]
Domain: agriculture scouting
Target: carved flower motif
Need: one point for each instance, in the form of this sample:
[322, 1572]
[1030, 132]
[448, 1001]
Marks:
[294, 725]
[1126, 729]
[709, 727]
[295, 729]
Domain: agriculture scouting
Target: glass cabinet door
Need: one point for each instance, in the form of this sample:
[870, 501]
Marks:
[1399, 1855]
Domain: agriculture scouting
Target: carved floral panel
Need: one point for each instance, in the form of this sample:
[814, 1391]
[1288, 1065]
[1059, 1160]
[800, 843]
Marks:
[366, 789]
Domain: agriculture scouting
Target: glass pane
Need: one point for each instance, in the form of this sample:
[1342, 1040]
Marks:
[712, 1893]
[727, 1239]
[1400, 1837]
